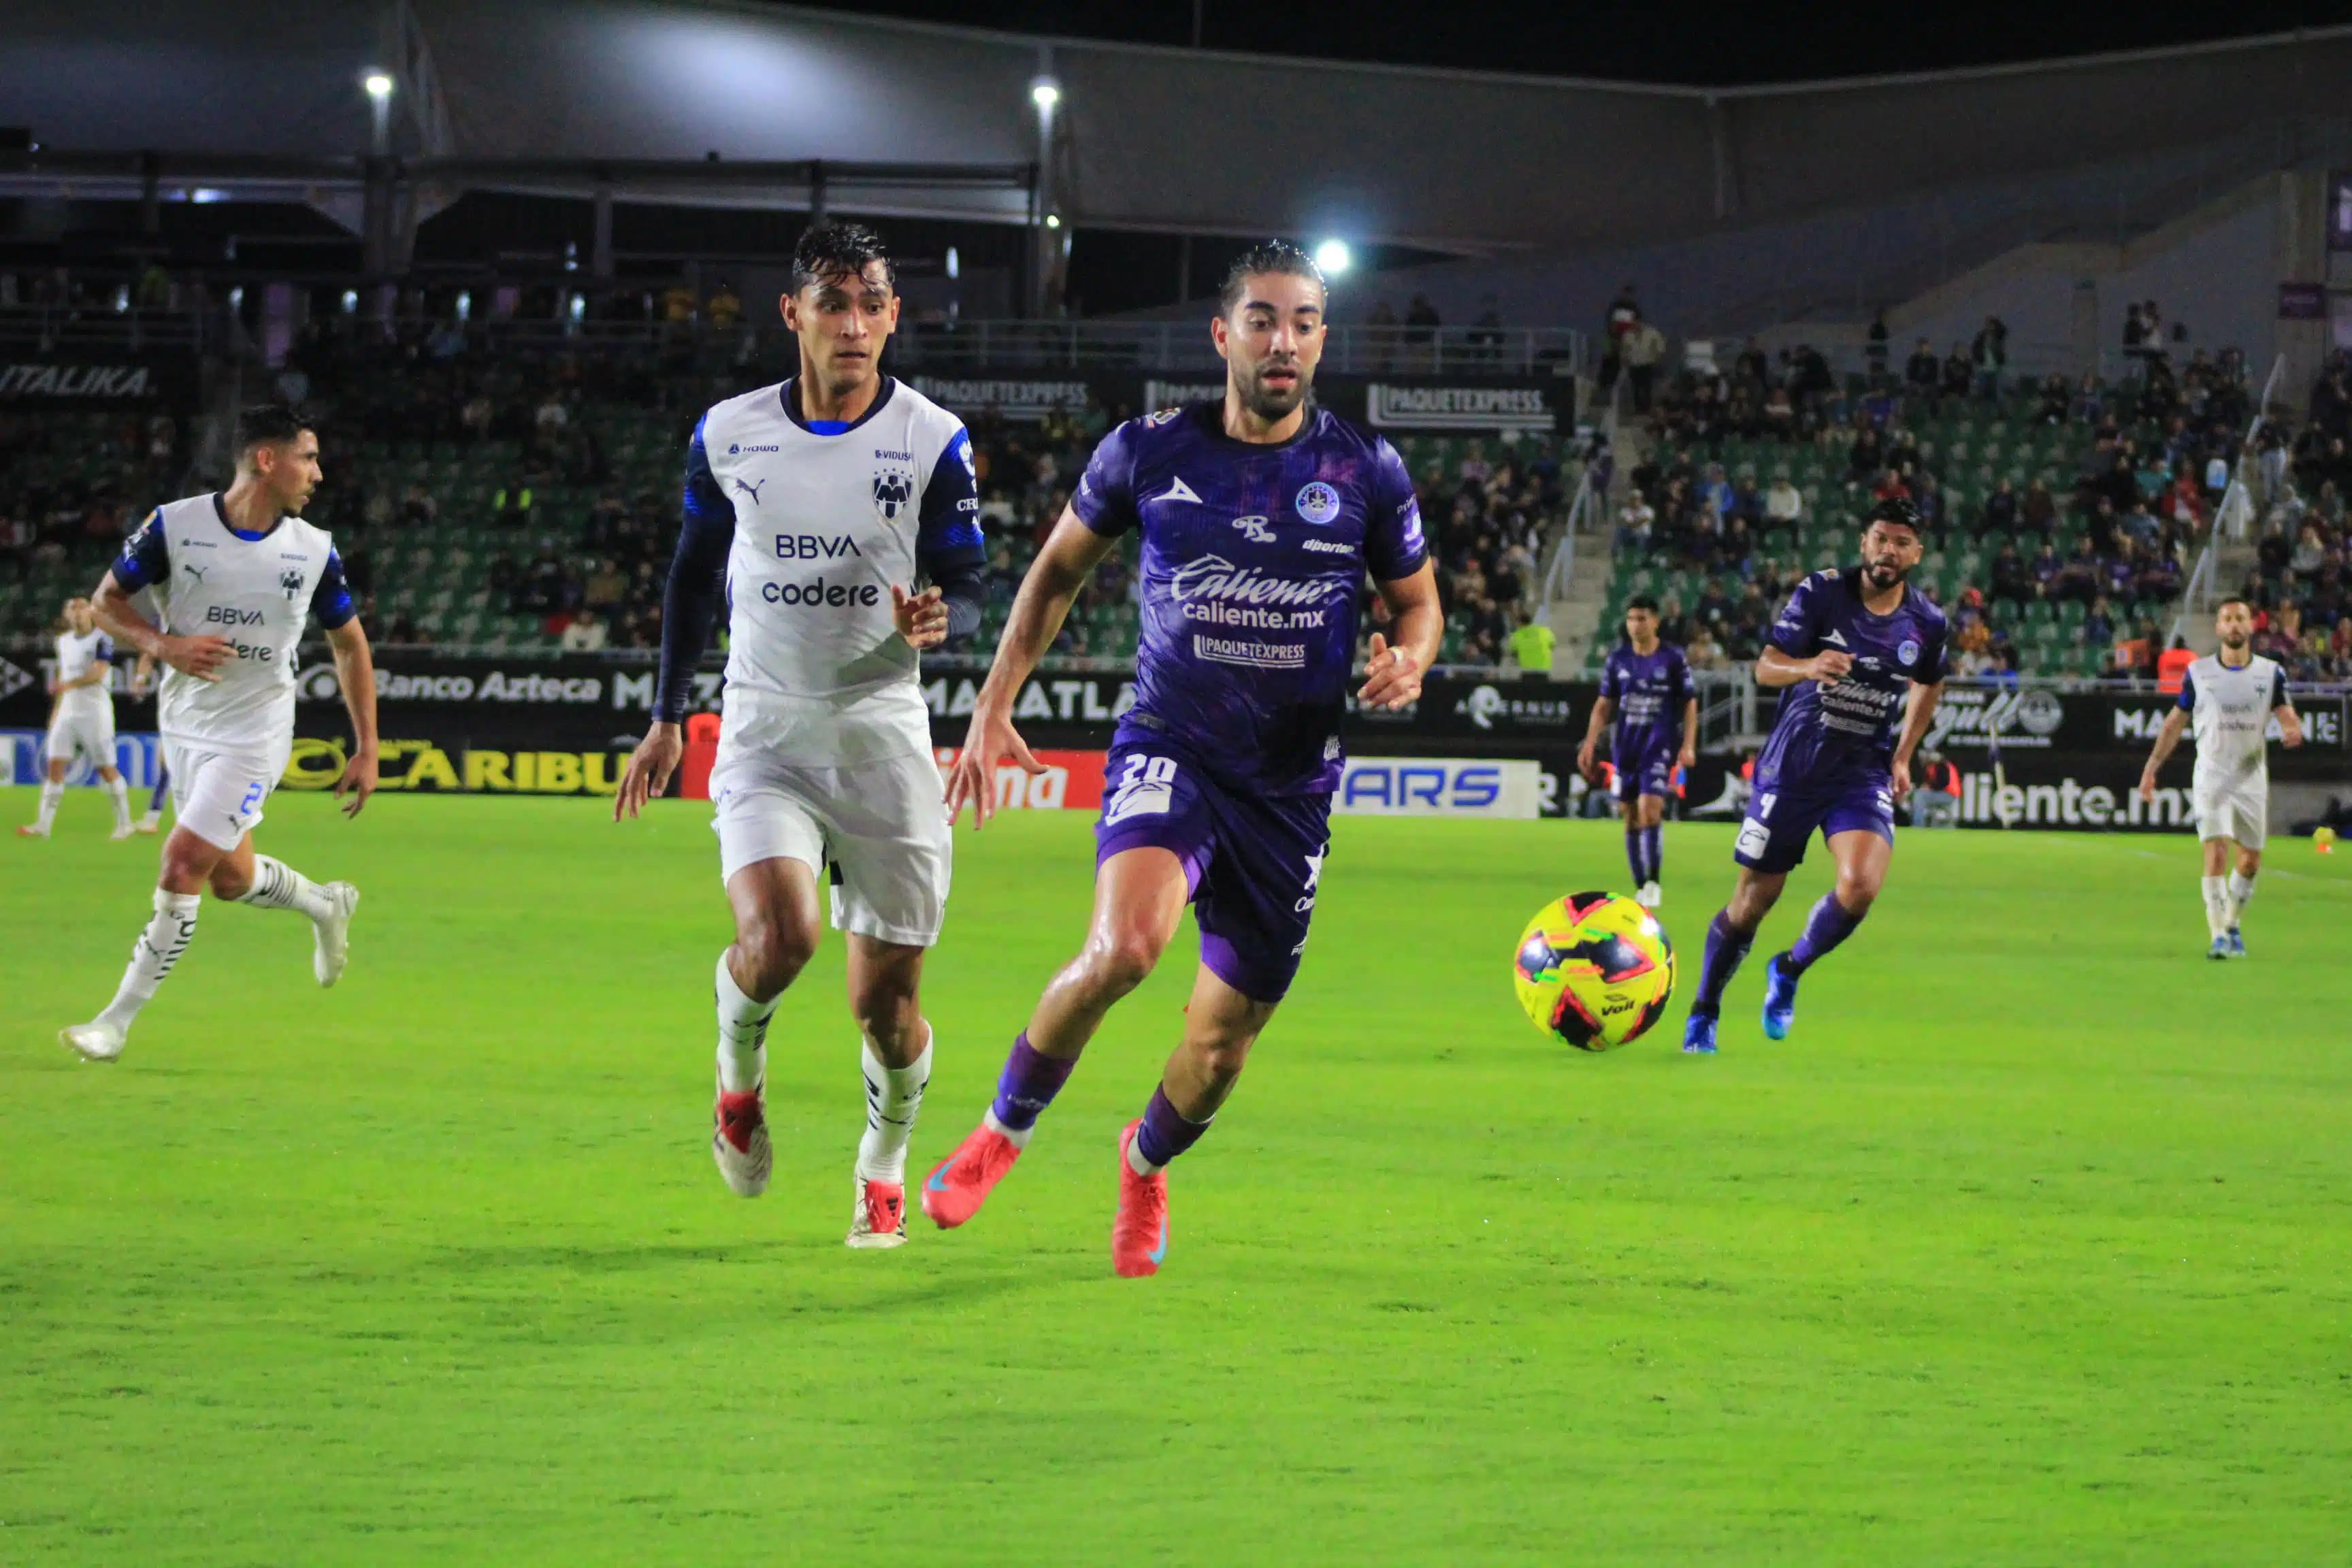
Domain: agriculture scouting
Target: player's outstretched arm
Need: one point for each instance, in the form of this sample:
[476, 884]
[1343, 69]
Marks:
[200, 656]
[1605, 708]
[1918, 709]
[2166, 738]
[1392, 675]
[1071, 554]
[355, 670]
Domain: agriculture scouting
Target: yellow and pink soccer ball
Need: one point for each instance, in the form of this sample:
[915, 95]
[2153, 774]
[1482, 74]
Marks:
[1595, 970]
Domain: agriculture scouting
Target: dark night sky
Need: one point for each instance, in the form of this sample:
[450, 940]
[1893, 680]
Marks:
[1639, 40]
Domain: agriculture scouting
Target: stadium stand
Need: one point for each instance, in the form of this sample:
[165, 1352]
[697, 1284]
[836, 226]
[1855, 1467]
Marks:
[2063, 516]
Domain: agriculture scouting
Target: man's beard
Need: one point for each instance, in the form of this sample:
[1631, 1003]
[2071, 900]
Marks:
[1883, 577]
[2239, 641]
[1269, 404]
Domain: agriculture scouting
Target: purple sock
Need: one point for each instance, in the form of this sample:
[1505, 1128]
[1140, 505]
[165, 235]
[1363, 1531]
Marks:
[1636, 855]
[1725, 946]
[1030, 1081]
[1165, 1133]
[162, 783]
[1829, 925]
[1654, 851]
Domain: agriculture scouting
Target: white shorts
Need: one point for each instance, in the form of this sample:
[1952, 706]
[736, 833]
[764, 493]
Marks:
[2239, 810]
[218, 795]
[880, 826]
[87, 731]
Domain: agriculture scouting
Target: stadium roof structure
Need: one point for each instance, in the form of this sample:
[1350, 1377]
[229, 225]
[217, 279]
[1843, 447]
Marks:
[541, 94]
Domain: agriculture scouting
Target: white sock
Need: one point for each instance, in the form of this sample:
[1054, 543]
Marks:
[119, 794]
[2219, 916]
[743, 1035]
[1137, 1162]
[2242, 893]
[894, 1098]
[152, 955]
[277, 886]
[50, 794]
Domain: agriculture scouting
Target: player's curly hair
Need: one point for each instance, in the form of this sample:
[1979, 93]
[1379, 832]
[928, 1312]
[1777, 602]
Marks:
[1265, 256]
[831, 250]
[1896, 512]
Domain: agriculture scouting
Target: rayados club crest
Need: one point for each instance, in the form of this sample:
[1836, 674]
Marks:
[894, 492]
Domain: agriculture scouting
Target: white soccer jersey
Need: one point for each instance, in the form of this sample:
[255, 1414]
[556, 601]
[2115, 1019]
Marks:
[76, 656]
[254, 591]
[2230, 713]
[825, 517]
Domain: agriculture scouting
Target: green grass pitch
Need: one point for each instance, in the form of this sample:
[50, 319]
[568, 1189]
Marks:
[2030, 1244]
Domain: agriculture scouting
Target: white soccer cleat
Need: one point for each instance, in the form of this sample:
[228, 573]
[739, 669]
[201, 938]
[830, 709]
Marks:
[333, 951]
[739, 1141]
[150, 822]
[1648, 896]
[31, 830]
[123, 830]
[97, 1041]
[878, 1215]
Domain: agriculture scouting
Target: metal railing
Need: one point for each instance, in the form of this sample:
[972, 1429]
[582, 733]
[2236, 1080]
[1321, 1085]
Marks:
[2231, 517]
[1181, 347]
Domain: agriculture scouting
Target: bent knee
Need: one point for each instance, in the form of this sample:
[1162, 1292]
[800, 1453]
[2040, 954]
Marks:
[775, 952]
[1857, 893]
[1118, 961]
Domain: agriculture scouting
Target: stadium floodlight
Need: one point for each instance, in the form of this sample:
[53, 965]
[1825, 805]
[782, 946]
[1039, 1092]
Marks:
[379, 84]
[1333, 256]
[1052, 220]
[1046, 93]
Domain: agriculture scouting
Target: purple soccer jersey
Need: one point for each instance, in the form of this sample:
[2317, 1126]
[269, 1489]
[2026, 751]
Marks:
[1252, 558]
[1647, 733]
[1828, 735]
[1827, 764]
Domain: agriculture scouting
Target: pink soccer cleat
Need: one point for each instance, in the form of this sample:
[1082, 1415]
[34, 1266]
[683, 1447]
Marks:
[1138, 1237]
[954, 1191]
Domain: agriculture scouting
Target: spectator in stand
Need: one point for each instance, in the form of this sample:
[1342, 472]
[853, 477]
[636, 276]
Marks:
[1922, 373]
[1959, 374]
[1989, 355]
[585, 633]
[2134, 332]
[1999, 514]
[1617, 325]
[1875, 354]
[1643, 350]
[1635, 522]
[1421, 325]
[2039, 512]
[723, 309]
[1702, 652]
[1783, 503]
[2010, 580]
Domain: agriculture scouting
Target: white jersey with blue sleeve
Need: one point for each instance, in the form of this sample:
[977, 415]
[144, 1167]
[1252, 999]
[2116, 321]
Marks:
[77, 654]
[811, 522]
[2230, 712]
[254, 591]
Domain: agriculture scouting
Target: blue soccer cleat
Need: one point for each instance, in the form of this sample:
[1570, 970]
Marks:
[1698, 1036]
[1779, 999]
[2237, 943]
[2221, 948]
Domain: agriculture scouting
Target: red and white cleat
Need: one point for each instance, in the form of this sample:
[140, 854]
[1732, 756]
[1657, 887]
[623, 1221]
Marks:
[879, 1218]
[1138, 1237]
[739, 1141]
[956, 1188]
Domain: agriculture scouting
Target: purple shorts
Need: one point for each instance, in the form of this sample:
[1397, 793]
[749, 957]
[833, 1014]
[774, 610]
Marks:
[1642, 770]
[1782, 817]
[1252, 862]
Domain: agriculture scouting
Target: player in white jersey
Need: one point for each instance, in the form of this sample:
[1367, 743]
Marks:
[817, 503]
[236, 575]
[81, 720]
[2231, 696]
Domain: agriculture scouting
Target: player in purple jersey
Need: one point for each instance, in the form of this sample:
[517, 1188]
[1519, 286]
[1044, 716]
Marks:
[1645, 685]
[1258, 520]
[1863, 654]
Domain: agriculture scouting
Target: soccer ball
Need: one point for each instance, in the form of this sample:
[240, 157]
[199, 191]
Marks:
[1595, 970]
